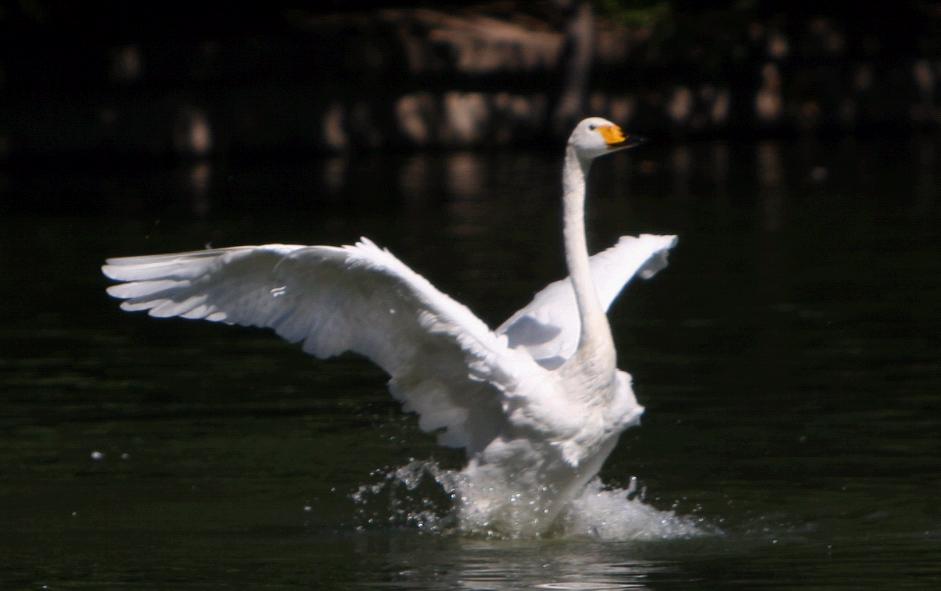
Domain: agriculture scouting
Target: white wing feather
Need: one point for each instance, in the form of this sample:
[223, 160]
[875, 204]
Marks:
[444, 363]
[548, 327]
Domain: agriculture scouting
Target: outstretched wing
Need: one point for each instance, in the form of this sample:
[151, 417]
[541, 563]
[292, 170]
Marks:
[549, 326]
[444, 363]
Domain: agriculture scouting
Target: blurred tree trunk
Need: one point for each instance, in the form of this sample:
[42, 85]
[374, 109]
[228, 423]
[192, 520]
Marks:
[579, 49]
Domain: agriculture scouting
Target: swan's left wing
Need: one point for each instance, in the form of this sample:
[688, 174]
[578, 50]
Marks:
[548, 327]
[444, 363]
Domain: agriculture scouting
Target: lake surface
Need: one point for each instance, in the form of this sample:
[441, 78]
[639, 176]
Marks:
[789, 360]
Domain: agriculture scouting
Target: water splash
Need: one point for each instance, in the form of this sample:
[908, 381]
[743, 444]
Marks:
[424, 496]
[617, 514]
[418, 495]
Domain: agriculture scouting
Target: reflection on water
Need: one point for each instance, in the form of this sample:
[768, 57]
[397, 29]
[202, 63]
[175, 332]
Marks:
[788, 361]
[692, 171]
[466, 564]
[771, 183]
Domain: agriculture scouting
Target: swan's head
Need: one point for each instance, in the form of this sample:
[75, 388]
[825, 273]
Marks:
[595, 137]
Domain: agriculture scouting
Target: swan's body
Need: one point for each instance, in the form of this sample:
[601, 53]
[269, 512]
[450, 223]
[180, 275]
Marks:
[537, 404]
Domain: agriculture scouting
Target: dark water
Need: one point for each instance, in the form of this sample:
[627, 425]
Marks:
[788, 359]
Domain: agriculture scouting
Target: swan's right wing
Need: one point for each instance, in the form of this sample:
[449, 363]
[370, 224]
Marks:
[444, 362]
[549, 326]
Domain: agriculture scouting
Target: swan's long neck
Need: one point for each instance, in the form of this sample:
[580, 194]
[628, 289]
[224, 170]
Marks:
[595, 354]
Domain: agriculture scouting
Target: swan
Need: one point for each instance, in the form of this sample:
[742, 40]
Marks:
[537, 404]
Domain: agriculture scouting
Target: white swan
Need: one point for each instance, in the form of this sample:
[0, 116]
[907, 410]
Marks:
[537, 404]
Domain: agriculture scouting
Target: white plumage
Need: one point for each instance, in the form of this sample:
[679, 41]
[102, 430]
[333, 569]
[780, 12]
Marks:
[537, 404]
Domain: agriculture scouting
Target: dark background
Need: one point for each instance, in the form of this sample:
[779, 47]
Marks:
[156, 80]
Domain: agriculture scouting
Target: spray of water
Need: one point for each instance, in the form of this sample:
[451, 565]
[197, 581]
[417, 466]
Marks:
[424, 496]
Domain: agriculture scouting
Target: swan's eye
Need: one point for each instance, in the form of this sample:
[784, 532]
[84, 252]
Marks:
[592, 127]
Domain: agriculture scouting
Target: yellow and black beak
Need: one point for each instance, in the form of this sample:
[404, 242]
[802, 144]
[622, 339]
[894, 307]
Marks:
[616, 139]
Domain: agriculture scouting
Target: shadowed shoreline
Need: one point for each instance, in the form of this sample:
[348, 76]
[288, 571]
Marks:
[384, 75]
